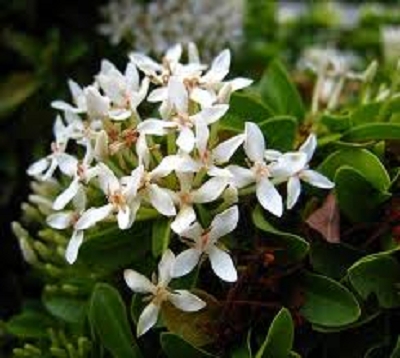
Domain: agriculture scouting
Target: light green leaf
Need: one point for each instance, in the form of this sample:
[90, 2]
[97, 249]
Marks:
[356, 196]
[279, 340]
[377, 274]
[174, 347]
[280, 132]
[373, 131]
[160, 236]
[360, 159]
[336, 123]
[295, 247]
[108, 318]
[327, 302]
[279, 93]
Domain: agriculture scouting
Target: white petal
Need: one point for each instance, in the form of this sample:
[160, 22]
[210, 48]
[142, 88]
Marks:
[224, 223]
[222, 264]
[184, 219]
[193, 232]
[186, 301]
[185, 262]
[219, 67]
[205, 98]
[142, 151]
[64, 106]
[165, 268]
[60, 221]
[147, 319]
[66, 196]
[124, 218]
[145, 63]
[268, 197]
[101, 146]
[161, 200]
[158, 95]
[80, 199]
[178, 95]
[97, 105]
[71, 252]
[138, 282]
[153, 126]
[309, 146]
[132, 77]
[224, 151]
[167, 165]
[193, 53]
[136, 177]
[240, 83]
[38, 167]
[202, 135]
[241, 177]
[119, 114]
[272, 155]
[293, 191]
[210, 190]
[254, 144]
[68, 164]
[211, 114]
[289, 164]
[186, 140]
[174, 53]
[92, 216]
[316, 179]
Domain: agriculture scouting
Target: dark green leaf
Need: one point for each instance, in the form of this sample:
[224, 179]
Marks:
[160, 236]
[174, 347]
[336, 123]
[366, 113]
[279, 340]
[356, 196]
[396, 350]
[107, 315]
[360, 159]
[68, 308]
[280, 132]
[295, 247]
[373, 131]
[30, 324]
[327, 302]
[377, 274]
[279, 93]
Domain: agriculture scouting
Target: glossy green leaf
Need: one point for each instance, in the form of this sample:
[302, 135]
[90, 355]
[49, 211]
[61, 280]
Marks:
[336, 123]
[360, 159]
[356, 196]
[244, 107]
[279, 93]
[327, 302]
[295, 247]
[280, 132]
[377, 274]
[373, 131]
[30, 324]
[332, 260]
[366, 114]
[15, 89]
[108, 318]
[174, 347]
[279, 340]
[68, 308]
[160, 236]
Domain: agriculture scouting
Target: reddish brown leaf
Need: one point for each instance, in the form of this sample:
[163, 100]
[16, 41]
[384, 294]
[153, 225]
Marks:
[326, 220]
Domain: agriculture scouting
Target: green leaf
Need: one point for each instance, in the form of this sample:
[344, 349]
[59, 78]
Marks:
[295, 247]
[279, 340]
[279, 93]
[327, 302]
[373, 131]
[69, 309]
[30, 324]
[336, 123]
[366, 113]
[280, 132]
[396, 350]
[15, 90]
[356, 196]
[332, 260]
[360, 159]
[28, 47]
[193, 327]
[377, 274]
[160, 236]
[107, 315]
[174, 347]
[244, 107]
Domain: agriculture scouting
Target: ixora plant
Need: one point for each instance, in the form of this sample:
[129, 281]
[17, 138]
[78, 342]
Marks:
[205, 218]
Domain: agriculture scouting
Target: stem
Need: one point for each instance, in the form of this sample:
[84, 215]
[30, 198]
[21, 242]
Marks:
[171, 143]
[246, 191]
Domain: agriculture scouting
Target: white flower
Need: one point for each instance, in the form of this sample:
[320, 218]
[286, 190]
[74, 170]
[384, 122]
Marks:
[260, 173]
[187, 196]
[159, 293]
[124, 90]
[67, 219]
[78, 99]
[44, 168]
[204, 242]
[299, 170]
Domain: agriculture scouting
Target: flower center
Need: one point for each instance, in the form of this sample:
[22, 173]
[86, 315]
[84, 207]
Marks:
[261, 170]
[117, 199]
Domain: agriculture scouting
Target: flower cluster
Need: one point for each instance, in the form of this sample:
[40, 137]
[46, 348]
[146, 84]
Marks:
[211, 24]
[168, 161]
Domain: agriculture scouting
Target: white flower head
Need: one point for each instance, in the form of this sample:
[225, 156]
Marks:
[159, 292]
[204, 242]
